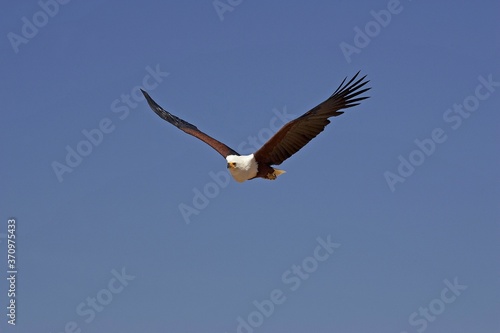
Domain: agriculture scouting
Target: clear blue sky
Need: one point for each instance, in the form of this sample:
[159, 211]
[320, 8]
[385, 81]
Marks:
[404, 187]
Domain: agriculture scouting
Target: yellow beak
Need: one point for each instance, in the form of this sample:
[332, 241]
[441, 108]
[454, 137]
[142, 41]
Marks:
[231, 165]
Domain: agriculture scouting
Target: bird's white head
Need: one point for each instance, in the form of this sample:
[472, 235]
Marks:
[242, 167]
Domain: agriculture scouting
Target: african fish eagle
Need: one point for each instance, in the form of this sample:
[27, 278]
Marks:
[287, 141]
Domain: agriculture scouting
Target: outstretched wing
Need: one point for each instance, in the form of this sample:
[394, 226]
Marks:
[298, 132]
[189, 128]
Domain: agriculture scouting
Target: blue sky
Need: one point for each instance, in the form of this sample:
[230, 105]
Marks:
[386, 222]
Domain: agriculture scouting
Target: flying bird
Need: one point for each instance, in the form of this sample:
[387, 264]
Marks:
[287, 141]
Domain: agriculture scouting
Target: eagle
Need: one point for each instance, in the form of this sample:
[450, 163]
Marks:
[287, 141]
